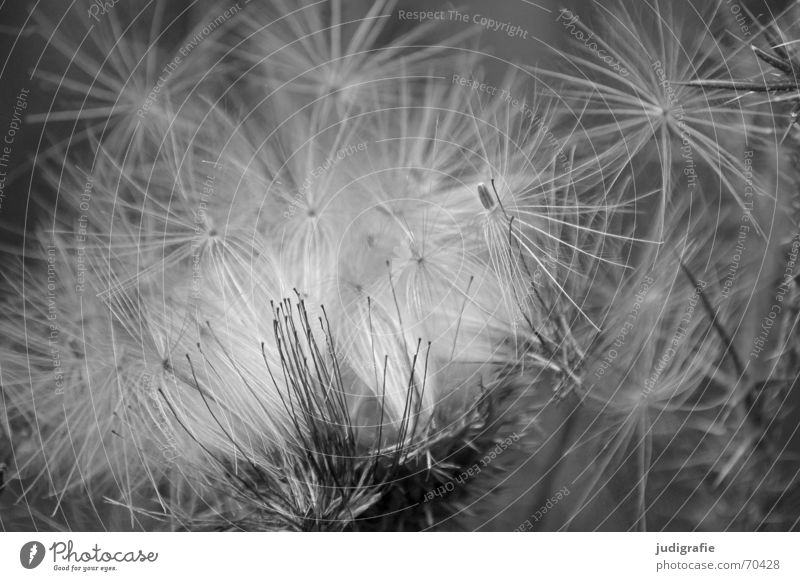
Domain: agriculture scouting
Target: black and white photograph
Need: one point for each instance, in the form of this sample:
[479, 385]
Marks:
[400, 266]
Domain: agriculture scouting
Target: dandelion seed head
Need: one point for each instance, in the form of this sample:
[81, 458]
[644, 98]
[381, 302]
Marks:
[280, 304]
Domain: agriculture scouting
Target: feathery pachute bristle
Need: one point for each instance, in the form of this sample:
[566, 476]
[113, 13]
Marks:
[302, 275]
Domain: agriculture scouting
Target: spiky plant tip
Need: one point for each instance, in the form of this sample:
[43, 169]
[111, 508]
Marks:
[334, 470]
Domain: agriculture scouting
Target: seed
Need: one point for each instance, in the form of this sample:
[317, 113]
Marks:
[486, 198]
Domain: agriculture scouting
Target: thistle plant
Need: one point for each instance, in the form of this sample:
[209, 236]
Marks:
[299, 277]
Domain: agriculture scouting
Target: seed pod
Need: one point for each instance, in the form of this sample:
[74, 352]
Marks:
[486, 198]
